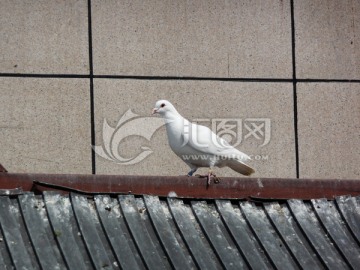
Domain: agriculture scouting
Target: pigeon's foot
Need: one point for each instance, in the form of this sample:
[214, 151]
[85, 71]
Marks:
[216, 179]
[209, 176]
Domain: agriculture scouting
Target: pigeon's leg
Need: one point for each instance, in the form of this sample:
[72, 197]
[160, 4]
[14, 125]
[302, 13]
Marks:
[192, 171]
[210, 173]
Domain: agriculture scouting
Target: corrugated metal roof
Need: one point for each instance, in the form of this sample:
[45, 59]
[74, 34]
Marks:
[54, 231]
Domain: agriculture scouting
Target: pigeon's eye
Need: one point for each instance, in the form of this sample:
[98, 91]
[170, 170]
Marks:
[162, 105]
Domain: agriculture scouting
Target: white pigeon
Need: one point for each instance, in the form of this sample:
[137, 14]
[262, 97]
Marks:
[198, 146]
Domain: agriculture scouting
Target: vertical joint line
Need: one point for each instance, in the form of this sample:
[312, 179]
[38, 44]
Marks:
[92, 106]
[294, 80]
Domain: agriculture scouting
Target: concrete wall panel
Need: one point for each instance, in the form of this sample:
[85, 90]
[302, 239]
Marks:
[193, 38]
[45, 126]
[329, 130]
[327, 39]
[45, 36]
[198, 100]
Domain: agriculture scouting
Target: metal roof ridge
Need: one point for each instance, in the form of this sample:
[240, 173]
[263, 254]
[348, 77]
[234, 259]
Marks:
[183, 186]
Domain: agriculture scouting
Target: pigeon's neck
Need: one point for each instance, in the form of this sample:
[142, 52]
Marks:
[172, 117]
[174, 124]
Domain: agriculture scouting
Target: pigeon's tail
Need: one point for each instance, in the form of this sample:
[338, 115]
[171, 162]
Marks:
[240, 167]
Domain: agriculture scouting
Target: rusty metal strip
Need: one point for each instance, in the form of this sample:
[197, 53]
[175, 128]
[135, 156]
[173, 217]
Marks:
[44, 186]
[185, 187]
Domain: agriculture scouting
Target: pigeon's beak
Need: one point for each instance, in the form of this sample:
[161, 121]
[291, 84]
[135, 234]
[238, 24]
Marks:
[154, 111]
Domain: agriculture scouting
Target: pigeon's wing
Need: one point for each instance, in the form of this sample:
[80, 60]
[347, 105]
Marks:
[202, 139]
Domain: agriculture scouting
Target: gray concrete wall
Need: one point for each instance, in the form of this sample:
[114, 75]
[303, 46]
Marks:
[283, 76]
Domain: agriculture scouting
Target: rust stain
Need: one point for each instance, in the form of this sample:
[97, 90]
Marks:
[183, 186]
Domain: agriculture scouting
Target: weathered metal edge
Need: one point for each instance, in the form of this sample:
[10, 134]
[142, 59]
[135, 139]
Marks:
[183, 186]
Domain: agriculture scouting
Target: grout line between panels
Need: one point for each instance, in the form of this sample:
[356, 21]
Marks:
[293, 53]
[92, 103]
[177, 78]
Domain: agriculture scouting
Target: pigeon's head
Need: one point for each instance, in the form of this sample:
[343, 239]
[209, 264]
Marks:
[163, 107]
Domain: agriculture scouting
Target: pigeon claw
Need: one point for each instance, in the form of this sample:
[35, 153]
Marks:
[216, 179]
[209, 177]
